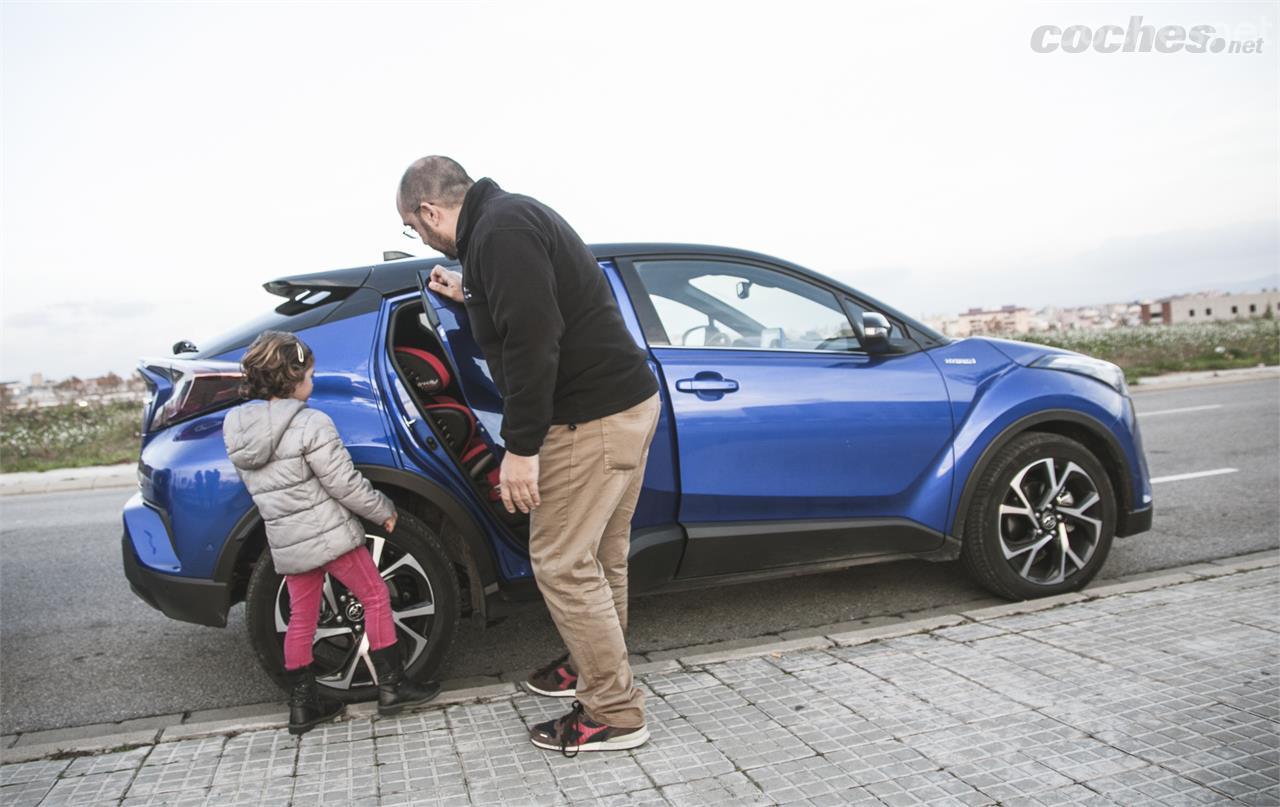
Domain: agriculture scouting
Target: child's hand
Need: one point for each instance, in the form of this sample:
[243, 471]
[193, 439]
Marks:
[390, 524]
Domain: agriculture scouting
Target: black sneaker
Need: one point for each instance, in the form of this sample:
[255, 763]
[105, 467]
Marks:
[576, 732]
[556, 680]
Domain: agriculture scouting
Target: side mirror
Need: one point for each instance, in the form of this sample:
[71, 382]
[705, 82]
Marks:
[875, 332]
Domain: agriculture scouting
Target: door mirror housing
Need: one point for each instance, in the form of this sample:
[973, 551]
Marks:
[875, 332]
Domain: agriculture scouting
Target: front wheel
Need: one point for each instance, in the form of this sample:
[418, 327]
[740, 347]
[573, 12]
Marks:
[1042, 518]
[424, 606]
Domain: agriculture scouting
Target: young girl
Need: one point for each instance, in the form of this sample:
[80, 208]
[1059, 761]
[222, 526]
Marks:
[309, 495]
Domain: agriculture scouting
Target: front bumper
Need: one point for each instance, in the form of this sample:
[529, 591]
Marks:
[203, 602]
[1133, 522]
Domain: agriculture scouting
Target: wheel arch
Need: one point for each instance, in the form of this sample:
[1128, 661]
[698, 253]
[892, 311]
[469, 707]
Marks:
[1086, 430]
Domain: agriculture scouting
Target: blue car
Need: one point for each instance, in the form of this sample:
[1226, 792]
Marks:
[805, 427]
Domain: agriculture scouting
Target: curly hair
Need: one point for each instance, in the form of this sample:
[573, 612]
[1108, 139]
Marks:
[274, 365]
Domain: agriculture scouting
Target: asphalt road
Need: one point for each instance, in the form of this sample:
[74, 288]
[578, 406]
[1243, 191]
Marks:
[77, 647]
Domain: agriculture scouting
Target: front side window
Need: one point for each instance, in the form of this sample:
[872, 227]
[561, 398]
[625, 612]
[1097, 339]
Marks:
[702, 303]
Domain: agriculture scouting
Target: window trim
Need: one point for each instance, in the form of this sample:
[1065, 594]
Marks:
[655, 333]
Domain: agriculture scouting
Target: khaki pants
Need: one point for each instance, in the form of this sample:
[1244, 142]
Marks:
[589, 478]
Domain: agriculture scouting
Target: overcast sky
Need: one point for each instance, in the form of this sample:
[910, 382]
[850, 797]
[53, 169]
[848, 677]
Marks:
[160, 162]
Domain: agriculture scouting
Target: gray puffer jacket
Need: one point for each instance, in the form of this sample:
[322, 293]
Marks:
[301, 477]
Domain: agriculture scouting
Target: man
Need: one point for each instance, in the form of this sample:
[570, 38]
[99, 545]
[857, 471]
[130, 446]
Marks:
[580, 407]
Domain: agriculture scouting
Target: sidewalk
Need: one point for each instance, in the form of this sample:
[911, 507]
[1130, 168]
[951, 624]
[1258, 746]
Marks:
[1164, 690]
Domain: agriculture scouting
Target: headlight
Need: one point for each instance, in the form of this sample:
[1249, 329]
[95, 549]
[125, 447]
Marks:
[1104, 371]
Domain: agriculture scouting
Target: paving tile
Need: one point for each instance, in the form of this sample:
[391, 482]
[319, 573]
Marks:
[335, 786]
[638, 798]
[591, 776]
[256, 756]
[677, 752]
[928, 787]
[354, 755]
[21, 772]
[26, 793]
[92, 788]
[1069, 796]
[801, 779]
[729, 789]
[107, 763]
[880, 761]
[172, 798]
[267, 792]
[1152, 785]
[187, 751]
[193, 774]
[742, 732]
[804, 660]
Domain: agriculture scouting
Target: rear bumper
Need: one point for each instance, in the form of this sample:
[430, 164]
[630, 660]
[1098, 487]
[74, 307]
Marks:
[1133, 522]
[203, 602]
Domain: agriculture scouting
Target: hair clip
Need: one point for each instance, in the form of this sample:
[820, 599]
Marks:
[299, 346]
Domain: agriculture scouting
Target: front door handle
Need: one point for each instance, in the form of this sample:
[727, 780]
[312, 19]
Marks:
[707, 382]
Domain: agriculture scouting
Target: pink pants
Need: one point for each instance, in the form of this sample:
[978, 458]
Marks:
[356, 571]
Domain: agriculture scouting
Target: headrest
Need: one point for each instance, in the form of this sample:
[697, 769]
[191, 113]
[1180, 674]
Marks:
[426, 372]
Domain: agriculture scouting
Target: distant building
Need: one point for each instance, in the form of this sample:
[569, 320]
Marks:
[1007, 319]
[1211, 307]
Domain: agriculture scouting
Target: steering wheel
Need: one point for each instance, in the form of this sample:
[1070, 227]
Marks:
[714, 336]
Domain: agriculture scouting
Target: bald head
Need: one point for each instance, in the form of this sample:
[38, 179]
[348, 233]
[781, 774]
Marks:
[436, 180]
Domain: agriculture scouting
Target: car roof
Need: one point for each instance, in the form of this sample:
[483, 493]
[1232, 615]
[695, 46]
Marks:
[394, 276]
[401, 275]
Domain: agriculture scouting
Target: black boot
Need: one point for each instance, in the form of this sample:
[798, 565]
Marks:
[395, 692]
[307, 707]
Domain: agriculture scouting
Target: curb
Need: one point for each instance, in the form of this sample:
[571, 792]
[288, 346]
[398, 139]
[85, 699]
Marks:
[274, 716]
[62, 479]
[1202, 378]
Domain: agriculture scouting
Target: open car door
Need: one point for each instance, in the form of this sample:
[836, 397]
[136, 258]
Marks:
[449, 319]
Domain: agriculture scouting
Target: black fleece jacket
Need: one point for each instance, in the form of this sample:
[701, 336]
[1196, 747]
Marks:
[542, 312]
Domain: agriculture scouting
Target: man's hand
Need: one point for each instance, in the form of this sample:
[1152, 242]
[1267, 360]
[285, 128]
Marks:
[390, 524]
[518, 482]
[446, 283]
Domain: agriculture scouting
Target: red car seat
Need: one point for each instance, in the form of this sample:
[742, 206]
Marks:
[430, 379]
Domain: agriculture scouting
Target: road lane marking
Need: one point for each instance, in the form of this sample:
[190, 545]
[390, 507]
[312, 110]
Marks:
[1182, 409]
[1194, 475]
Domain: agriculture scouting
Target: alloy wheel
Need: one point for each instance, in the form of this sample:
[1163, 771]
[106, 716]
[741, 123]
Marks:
[1050, 520]
[341, 644]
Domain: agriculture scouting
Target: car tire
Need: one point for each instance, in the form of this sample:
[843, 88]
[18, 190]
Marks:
[1016, 530]
[425, 638]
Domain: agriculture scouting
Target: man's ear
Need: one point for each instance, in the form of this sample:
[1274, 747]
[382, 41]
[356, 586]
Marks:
[429, 213]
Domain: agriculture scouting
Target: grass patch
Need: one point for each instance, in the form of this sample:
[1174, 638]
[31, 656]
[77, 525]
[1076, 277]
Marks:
[1156, 349]
[69, 436]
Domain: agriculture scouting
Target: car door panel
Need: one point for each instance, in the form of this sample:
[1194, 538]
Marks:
[790, 457]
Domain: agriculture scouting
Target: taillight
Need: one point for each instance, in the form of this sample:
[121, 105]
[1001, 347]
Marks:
[195, 393]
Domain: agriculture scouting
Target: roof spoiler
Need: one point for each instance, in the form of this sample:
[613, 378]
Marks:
[347, 280]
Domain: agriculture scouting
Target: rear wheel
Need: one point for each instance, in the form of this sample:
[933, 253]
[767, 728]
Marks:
[424, 604]
[1042, 518]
